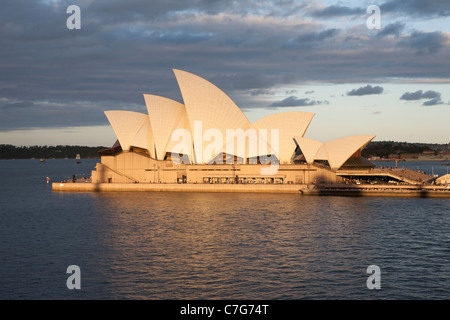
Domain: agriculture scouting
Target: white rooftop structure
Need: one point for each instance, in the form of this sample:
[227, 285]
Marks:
[206, 105]
[336, 151]
[132, 129]
[445, 179]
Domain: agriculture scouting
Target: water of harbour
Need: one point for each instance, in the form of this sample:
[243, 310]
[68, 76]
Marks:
[154, 245]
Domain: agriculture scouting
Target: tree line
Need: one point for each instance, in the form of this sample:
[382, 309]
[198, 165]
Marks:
[375, 148]
[385, 148]
[8, 151]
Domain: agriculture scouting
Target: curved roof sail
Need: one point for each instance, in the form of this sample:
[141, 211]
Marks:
[289, 125]
[131, 129]
[143, 138]
[336, 151]
[166, 115]
[206, 103]
[340, 150]
[309, 148]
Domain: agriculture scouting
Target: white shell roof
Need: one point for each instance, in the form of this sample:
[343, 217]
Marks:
[309, 148]
[206, 104]
[165, 115]
[132, 129]
[289, 125]
[336, 151]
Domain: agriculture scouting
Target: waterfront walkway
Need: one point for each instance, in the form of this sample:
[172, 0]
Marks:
[402, 175]
[341, 189]
[385, 190]
[178, 187]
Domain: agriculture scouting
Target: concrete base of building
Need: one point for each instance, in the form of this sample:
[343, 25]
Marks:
[301, 189]
[175, 187]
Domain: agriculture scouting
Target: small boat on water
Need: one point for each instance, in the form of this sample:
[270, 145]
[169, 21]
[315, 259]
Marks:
[78, 158]
[445, 164]
[42, 160]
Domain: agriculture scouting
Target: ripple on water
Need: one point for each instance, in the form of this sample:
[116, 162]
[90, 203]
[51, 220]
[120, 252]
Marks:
[218, 246]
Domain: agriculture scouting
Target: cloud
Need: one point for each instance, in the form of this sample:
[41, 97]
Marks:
[362, 91]
[418, 8]
[293, 101]
[181, 37]
[258, 92]
[435, 97]
[430, 94]
[433, 102]
[127, 48]
[45, 114]
[22, 104]
[254, 80]
[337, 11]
[317, 36]
[424, 42]
[394, 29]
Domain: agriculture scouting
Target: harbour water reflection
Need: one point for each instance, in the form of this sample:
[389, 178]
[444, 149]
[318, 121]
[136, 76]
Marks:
[215, 245]
[248, 246]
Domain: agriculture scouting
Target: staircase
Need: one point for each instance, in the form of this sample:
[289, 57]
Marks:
[120, 173]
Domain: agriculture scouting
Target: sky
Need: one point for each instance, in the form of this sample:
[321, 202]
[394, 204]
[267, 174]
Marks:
[268, 56]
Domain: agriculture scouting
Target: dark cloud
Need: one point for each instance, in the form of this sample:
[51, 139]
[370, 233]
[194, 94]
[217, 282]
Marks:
[337, 11]
[424, 42]
[258, 92]
[56, 114]
[312, 40]
[435, 97]
[118, 11]
[362, 91]
[317, 36]
[418, 8]
[293, 101]
[179, 38]
[245, 81]
[20, 105]
[127, 48]
[433, 102]
[418, 95]
[392, 29]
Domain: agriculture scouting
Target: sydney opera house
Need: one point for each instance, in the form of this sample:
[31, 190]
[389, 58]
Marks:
[208, 139]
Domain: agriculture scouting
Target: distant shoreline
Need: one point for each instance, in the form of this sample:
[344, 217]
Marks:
[10, 152]
[85, 158]
[382, 150]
